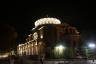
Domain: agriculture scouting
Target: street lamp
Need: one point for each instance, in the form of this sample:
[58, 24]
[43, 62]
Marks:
[91, 45]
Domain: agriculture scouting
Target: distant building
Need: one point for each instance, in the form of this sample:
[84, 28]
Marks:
[46, 35]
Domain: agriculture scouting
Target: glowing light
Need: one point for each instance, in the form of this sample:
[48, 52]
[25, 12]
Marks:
[35, 36]
[36, 43]
[41, 36]
[29, 35]
[47, 21]
[21, 44]
[4, 56]
[91, 45]
[60, 49]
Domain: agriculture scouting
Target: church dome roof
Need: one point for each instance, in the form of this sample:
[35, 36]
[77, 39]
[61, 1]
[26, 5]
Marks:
[47, 21]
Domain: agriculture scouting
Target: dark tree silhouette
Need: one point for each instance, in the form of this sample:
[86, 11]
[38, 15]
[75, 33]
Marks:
[7, 37]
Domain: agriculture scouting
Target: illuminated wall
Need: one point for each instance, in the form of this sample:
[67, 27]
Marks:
[30, 48]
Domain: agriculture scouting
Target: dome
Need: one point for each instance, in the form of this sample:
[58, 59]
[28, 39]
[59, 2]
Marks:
[47, 21]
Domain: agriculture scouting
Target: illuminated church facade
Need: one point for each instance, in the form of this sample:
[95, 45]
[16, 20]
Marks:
[46, 36]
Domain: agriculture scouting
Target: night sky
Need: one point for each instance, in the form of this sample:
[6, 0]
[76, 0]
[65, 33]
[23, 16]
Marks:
[17, 21]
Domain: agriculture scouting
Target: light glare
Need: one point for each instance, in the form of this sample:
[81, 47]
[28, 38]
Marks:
[91, 45]
[60, 48]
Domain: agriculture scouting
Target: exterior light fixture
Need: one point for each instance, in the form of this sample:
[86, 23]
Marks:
[91, 45]
[59, 49]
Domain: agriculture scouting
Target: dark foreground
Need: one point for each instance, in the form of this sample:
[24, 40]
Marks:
[28, 61]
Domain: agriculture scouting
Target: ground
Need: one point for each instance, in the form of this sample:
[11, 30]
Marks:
[28, 61]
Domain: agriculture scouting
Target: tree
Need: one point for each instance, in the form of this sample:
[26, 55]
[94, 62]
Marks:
[7, 37]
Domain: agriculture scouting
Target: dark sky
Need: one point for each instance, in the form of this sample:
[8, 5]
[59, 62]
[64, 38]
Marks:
[22, 18]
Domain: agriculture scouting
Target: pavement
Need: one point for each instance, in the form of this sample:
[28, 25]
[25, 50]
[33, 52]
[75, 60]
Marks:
[28, 61]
